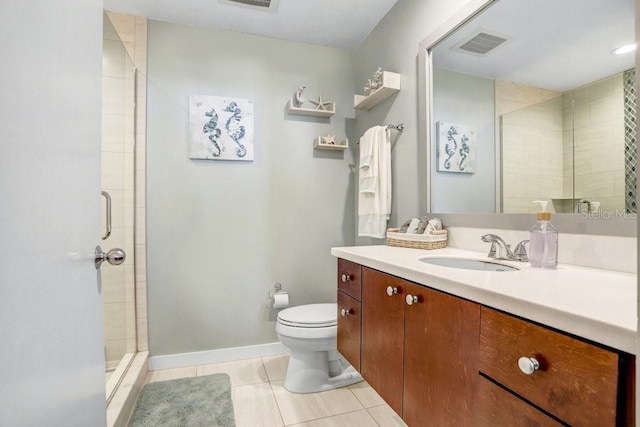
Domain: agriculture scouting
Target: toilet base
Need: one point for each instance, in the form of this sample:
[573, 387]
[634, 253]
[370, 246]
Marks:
[314, 371]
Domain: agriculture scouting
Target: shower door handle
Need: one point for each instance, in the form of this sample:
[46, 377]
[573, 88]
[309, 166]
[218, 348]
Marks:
[107, 196]
[115, 256]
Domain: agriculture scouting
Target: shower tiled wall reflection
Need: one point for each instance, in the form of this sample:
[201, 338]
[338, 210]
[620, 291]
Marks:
[630, 141]
[532, 145]
[583, 149]
[599, 143]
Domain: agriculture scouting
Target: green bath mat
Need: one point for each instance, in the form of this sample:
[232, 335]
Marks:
[194, 402]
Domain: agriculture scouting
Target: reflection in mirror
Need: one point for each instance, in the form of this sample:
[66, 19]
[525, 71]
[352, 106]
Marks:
[549, 110]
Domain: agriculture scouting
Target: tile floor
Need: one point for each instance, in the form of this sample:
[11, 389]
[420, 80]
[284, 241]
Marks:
[260, 399]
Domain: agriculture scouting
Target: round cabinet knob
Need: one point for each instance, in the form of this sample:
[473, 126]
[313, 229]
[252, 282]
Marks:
[392, 290]
[411, 299]
[345, 311]
[528, 365]
[347, 277]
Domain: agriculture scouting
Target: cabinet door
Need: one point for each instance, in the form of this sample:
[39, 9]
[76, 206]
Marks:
[440, 358]
[349, 329]
[382, 335]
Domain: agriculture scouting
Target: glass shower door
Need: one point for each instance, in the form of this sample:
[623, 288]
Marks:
[118, 140]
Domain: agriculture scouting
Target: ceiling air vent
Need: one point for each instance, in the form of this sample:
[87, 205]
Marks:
[257, 4]
[481, 42]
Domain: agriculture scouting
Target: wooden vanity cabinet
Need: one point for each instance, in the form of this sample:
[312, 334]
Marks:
[441, 360]
[349, 311]
[419, 349]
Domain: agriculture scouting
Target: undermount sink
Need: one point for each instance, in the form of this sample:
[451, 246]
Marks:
[468, 264]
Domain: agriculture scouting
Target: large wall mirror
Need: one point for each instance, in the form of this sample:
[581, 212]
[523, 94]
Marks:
[527, 102]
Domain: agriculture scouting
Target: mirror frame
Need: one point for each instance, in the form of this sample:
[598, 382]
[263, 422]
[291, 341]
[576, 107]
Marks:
[609, 225]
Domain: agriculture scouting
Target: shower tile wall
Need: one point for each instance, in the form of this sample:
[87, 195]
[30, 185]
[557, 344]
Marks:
[630, 145]
[532, 144]
[117, 180]
[132, 31]
[599, 143]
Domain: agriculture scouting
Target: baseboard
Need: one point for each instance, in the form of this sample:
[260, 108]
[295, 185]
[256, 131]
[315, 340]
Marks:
[216, 356]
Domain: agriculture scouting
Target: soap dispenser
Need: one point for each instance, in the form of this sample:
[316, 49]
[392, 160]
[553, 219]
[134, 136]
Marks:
[543, 244]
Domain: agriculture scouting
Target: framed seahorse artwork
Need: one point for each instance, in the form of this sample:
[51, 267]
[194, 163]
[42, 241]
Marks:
[220, 128]
[456, 148]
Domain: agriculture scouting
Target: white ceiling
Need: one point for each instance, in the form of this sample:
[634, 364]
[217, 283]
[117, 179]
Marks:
[553, 44]
[336, 23]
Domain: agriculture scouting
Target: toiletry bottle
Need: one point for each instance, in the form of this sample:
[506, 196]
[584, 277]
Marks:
[543, 246]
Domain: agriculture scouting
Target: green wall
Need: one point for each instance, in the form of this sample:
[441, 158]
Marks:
[220, 234]
[393, 45]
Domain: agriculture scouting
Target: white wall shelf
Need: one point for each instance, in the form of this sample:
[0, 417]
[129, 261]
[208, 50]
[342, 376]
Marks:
[292, 109]
[390, 85]
[319, 145]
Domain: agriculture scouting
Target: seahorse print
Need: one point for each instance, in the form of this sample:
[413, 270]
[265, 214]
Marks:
[464, 152]
[451, 146]
[212, 131]
[234, 129]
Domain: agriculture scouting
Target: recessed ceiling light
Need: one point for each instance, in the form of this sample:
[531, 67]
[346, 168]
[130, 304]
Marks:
[624, 49]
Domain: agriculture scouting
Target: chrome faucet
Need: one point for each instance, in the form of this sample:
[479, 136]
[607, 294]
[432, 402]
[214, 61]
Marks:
[521, 251]
[580, 206]
[500, 250]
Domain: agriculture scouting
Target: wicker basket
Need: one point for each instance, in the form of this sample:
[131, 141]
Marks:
[416, 241]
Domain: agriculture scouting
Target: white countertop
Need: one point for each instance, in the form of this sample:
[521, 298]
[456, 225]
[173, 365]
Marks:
[598, 305]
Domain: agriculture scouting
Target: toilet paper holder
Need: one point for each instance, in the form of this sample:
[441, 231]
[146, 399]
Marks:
[279, 297]
[276, 288]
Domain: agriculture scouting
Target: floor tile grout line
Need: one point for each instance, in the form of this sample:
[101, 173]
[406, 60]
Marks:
[273, 395]
[363, 408]
[358, 399]
[333, 416]
[374, 418]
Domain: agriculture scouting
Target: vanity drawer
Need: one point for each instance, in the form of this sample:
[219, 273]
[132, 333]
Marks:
[497, 407]
[349, 275]
[349, 329]
[575, 381]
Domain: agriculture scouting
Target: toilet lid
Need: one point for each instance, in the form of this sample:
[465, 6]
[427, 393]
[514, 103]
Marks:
[310, 315]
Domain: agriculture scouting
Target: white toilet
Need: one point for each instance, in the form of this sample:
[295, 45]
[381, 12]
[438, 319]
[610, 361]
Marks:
[311, 332]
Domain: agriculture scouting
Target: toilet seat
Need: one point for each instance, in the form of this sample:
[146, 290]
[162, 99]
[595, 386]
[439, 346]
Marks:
[310, 316]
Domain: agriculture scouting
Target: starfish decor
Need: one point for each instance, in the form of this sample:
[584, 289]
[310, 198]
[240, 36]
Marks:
[329, 139]
[320, 104]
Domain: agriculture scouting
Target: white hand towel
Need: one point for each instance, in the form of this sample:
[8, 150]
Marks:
[433, 225]
[413, 226]
[374, 195]
[368, 170]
